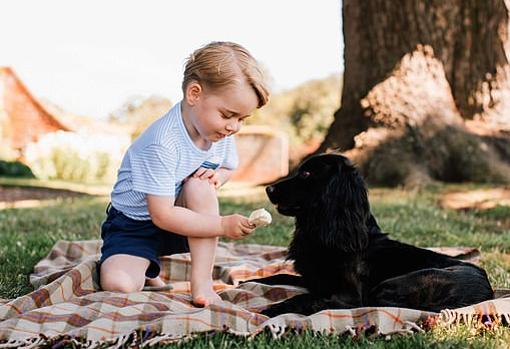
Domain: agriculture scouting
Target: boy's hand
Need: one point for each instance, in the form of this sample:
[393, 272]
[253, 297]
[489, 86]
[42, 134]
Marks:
[208, 174]
[236, 226]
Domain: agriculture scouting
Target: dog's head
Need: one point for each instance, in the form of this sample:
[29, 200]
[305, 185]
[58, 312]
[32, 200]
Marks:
[327, 196]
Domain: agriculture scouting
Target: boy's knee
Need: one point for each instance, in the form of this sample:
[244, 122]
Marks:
[120, 282]
[199, 195]
[198, 188]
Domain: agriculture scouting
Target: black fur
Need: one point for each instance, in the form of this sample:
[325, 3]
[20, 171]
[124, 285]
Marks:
[344, 259]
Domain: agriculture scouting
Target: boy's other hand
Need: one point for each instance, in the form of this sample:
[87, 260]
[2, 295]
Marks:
[236, 226]
[208, 174]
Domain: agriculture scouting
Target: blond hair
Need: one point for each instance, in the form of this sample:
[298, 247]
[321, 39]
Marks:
[219, 64]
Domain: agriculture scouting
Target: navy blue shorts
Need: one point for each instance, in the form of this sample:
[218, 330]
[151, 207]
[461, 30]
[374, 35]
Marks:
[123, 235]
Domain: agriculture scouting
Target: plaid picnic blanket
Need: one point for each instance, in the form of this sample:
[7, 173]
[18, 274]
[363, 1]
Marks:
[68, 307]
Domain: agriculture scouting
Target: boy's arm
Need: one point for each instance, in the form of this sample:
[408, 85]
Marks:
[186, 222]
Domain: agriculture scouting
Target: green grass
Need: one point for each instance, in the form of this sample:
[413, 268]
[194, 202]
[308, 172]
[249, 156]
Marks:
[460, 337]
[27, 235]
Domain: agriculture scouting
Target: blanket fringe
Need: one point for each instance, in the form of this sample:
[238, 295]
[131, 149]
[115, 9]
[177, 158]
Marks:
[140, 338]
[137, 338]
[413, 326]
[160, 339]
[27, 343]
[277, 331]
[449, 318]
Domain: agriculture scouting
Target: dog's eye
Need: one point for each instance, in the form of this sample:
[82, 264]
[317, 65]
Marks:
[304, 174]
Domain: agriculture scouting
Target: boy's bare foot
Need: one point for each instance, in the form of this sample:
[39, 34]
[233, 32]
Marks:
[203, 294]
[156, 285]
[156, 282]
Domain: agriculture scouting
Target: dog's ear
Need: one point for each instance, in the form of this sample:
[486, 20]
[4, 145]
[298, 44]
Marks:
[345, 210]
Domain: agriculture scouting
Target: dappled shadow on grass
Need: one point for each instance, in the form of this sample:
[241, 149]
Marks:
[477, 199]
[15, 193]
[417, 217]
[28, 197]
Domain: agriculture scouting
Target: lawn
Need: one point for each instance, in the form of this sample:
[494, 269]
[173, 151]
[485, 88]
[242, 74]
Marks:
[27, 234]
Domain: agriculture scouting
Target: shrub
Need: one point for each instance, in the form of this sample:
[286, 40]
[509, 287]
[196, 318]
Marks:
[305, 111]
[139, 112]
[15, 169]
[76, 156]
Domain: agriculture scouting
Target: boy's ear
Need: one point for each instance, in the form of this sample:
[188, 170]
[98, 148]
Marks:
[193, 92]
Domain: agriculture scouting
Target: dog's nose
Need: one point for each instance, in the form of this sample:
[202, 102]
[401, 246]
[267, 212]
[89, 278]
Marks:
[269, 189]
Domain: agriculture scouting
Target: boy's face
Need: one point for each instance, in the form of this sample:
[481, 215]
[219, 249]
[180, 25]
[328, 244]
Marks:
[217, 114]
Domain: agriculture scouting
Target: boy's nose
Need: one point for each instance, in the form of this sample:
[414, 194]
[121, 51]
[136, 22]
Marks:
[232, 127]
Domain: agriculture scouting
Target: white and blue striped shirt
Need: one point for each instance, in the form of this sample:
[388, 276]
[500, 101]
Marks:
[160, 159]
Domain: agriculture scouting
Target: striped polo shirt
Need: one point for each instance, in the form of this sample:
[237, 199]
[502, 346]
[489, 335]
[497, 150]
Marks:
[160, 159]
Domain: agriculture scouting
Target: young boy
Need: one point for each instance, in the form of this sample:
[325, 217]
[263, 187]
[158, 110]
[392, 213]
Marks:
[164, 200]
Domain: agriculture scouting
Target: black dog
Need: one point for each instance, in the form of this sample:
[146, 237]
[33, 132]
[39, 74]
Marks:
[344, 259]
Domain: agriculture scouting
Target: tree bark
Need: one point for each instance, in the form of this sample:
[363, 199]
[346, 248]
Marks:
[414, 69]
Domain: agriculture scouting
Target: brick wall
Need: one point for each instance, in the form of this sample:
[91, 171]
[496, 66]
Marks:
[24, 117]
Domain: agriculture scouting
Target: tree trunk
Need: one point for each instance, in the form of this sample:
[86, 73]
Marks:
[426, 83]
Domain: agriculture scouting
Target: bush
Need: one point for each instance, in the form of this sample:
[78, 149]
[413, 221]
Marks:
[139, 112]
[15, 169]
[304, 112]
[76, 156]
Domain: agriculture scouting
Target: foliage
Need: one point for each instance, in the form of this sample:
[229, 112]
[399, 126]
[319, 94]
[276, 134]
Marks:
[456, 156]
[305, 112]
[15, 169]
[76, 156]
[139, 112]
[423, 154]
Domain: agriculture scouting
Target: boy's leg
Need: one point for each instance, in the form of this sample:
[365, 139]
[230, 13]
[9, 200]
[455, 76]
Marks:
[157, 282]
[123, 273]
[200, 196]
